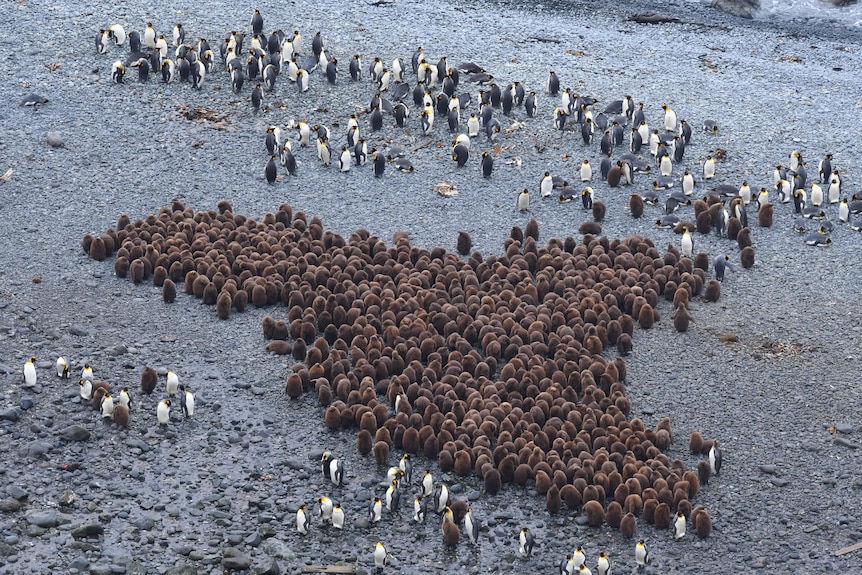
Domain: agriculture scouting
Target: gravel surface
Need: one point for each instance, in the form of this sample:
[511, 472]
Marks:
[219, 491]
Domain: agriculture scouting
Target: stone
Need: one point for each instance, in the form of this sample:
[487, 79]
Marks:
[10, 505]
[75, 433]
[34, 449]
[780, 481]
[235, 560]
[54, 139]
[844, 442]
[769, 469]
[11, 413]
[79, 563]
[42, 518]
[86, 531]
[845, 427]
[182, 570]
[271, 568]
[275, 547]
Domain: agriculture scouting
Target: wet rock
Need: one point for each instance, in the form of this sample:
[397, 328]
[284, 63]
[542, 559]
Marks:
[780, 481]
[271, 568]
[75, 433]
[182, 570]
[78, 330]
[18, 493]
[845, 427]
[769, 469]
[87, 531]
[844, 442]
[67, 498]
[10, 505]
[11, 413]
[277, 548]
[35, 449]
[235, 560]
[79, 563]
[42, 518]
[741, 8]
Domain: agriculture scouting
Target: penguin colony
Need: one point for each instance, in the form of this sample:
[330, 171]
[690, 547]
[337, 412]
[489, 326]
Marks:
[117, 407]
[491, 366]
[440, 91]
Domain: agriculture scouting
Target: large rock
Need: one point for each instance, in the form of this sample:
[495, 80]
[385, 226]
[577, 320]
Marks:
[235, 560]
[86, 531]
[75, 433]
[44, 518]
[741, 8]
[11, 413]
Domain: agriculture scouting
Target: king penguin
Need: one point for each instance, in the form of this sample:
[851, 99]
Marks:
[302, 520]
[715, 458]
[679, 526]
[420, 508]
[271, 170]
[393, 497]
[526, 542]
[381, 557]
[604, 565]
[686, 243]
[375, 510]
[187, 399]
[163, 412]
[338, 516]
[107, 406]
[641, 554]
[30, 372]
[332, 469]
[62, 368]
[471, 527]
[325, 504]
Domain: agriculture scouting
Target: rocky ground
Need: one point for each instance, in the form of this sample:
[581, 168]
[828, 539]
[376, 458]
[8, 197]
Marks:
[220, 490]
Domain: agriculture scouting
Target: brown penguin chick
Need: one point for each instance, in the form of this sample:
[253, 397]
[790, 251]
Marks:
[98, 394]
[628, 525]
[451, 534]
[121, 266]
[553, 502]
[624, 344]
[650, 506]
[695, 442]
[97, 249]
[615, 174]
[704, 471]
[636, 205]
[363, 442]
[240, 301]
[368, 422]
[332, 419]
[279, 347]
[381, 452]
[516, 233]
[598, 211]
[646, 317]
[493, 481]
[595, 513]
[703, 524]
[743, 238]
[121, 415]
[523, 473]
[681, 319]
[169, 291]
[149, 378]
[713, 290]
[590, 228]
[570, 494]
[531, 230]
[614, 514]
[324, 395]
[464, 244]
[543, 482]
[733, 228]
[463, 465]
[701, 260]
[681, 296]
[299, 349]
[410, 441]
[293, 387]
[703, 222]
[445, 460]
[223, 305]
[661, 516]
[137, 270]
[765, 215]
[160, 274]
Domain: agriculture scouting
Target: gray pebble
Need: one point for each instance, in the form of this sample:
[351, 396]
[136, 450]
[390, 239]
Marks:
[75, 433]
[54, 139]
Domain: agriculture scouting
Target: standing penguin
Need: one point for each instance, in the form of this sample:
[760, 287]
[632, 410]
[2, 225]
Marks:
[86, 389]
[107, 406]
[679, 526]
[338, 516]
[163, 412]
[326, 507]
[709, 168]
[604, 565]
[553, 83]
[824, 169]
[256, 97]
[30, 372]
[62, 368]
[526, 542]
[420, 508]
[256, 22]
[117, 72]
[271, 170]
[172, 383]
[586, 171]
[641, 554]
[187, 399]
[375, 510]
[487, 164]
[301, 520]
[378, 164]
[381, 557]
[686, 243]
[345, 159]
[546, 186]
[198, 73]
[393, 497]
[720, 265]
[86, 373]
[428, 483]
[102, 41]
[332, 469]
[715, 456]
[149, 37]
[405, 464]
[125, 398]
[356, 68]
[441, 498]
[669, 118]
[471, 527]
